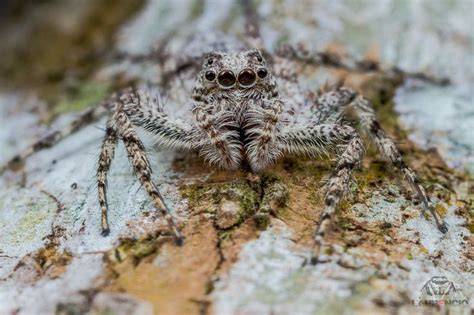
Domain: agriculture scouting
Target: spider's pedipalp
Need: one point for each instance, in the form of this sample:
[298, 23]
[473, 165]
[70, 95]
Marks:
[262, 128]
[220, 143]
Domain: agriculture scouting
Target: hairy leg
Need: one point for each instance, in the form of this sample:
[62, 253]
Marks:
[263, 124]
[83, 119]
[105, 159]
[141, 166]
[219, 139]
[390, 151]
[312, 139]
[330, 108]
[171, 66]
[252, 25]
[328, 59]
[140, 108]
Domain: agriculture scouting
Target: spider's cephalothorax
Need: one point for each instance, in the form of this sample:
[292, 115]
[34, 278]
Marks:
[238, 116]
[236, 109]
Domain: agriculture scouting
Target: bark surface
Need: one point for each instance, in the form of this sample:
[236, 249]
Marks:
[53, 259]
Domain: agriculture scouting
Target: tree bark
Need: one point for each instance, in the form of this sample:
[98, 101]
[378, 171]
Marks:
[54, 260]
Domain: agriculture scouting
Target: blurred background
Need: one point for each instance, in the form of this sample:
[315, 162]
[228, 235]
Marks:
[63, 51]
[58, 57]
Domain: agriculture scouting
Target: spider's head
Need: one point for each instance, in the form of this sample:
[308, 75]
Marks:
[234, 70]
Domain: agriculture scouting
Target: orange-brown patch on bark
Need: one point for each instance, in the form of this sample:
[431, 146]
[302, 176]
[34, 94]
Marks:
[176, 281]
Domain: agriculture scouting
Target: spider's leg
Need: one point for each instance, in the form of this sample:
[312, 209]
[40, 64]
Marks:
[388, 148]
[300, 54]
[252, 25]
[283, 66]
[142, 168]
[138, 108]
[330, 109]
[105, 159]
[151, 56]
[312, 139]
[83, 119]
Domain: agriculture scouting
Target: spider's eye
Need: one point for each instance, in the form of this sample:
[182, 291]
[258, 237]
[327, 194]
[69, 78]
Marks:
[247, 77]
[262, 73]
[226, 78]
[259, 58]
[210, 61]
[210, 75]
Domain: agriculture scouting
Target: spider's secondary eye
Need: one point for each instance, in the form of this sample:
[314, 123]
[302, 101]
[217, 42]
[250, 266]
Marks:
[247, 77]
[262, 73]
[259, 58]
[210, 61]
[226, 78]
[210, 75]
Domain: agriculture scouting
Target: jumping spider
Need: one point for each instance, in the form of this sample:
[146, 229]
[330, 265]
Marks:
[239, 117]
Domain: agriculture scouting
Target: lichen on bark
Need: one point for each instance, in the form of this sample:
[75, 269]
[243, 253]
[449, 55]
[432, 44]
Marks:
[383, 250]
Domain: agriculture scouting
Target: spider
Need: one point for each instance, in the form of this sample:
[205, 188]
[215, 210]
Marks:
[238, 117]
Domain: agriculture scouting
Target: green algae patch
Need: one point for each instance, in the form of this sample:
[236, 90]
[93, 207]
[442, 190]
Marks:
[262, 221]
[344, 224]
[134, 249]
[27, 226]
[275, 199]
[86, 95]
[470, 226]
[195, 193]
[239, 197]
[244, 198]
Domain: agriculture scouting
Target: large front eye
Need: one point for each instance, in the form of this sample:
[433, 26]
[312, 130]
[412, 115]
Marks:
[210, 75]
[262, 73]
[226, 78]
[247, 77]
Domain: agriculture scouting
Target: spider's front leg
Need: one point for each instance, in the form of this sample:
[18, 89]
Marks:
[312, 139]
[330, 108]
[324, 58]
[139, 109]
[390, 151]
[53, 137]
